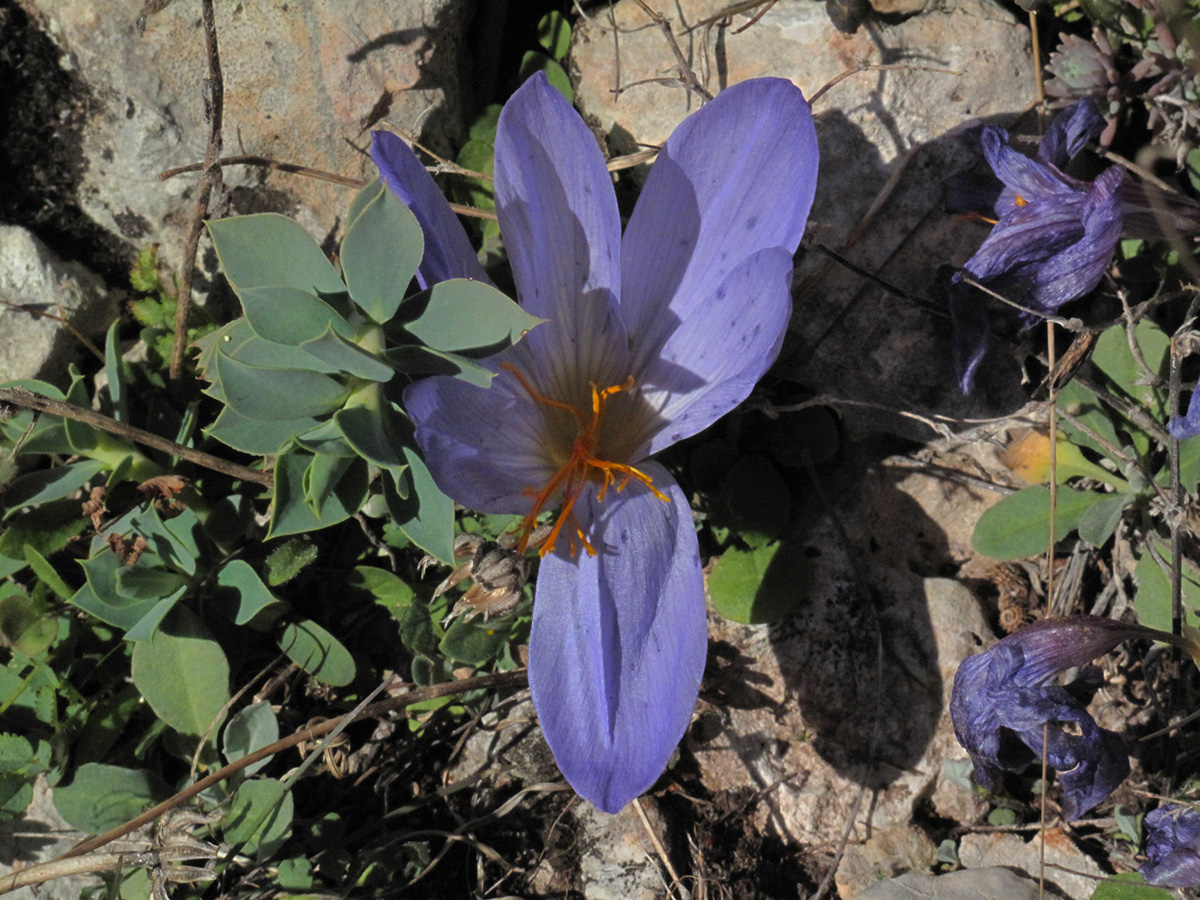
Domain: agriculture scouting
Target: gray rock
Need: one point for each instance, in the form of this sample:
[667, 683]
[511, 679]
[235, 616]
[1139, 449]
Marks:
[850, 337]
[994, 883]
[1070, 872]
[303, 82]
[35, 285]
[38, 836]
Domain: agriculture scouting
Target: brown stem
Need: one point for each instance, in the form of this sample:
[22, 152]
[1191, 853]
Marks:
[499, 681]
[211, 179]
[29, 400]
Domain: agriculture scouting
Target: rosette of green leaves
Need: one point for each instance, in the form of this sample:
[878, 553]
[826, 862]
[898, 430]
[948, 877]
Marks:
[313, 372]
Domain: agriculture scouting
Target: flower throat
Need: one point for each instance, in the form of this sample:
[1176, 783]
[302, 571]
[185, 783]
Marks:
[580, 467]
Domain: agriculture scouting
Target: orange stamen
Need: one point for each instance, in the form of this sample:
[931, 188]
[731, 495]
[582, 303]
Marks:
[1020, 201]
[580, 467]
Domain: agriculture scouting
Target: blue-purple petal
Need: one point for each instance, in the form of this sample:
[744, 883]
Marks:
[735, 178]
[619, 641]
[972, 331]
[1003, 696]
[1173, 847]
[1069, 132]
[448, 250]
[484, 446]
[712, 360]
[1184, 427]
[1029, 179]
[561, 228]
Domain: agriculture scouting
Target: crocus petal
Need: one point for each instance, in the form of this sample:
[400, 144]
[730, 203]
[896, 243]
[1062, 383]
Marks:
[1022, 176]
[729, 339]
[484, 446]
[1173, 846]
[735, 178]
[619, 641]
[972, 331]
[1003, 694]
[558, 215]
[1069, 132]
[448, 251]
[1184, 427]
[1079, 268]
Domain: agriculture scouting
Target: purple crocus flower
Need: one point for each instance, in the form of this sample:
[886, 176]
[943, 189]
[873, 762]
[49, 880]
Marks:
[649, 337]
[1188, 426]
[1054, 235]
[1003, 700]
[1173, 846]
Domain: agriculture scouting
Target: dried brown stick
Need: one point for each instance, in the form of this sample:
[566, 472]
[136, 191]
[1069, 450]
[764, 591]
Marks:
[29, 400]
[499, 681]
[210, 181]
[686, 75]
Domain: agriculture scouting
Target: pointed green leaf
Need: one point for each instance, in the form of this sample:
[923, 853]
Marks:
[270, 249]
[463, 315]
[346, 356]
[148, 624]
[276, 394]
[252, 595]
[146, 582]
[323, 475]
[183, 674]
[240, 343]
[426, 515]
[317, 652]
[1114, 358]
[47, 574]
[373, 434]
[1102, 518]
[414, 359]
[380, 254]
[118, 374]
[260, 818]
[285, 315]
[50, 484]
[1153, 599]
[255, 436]
[291, 512]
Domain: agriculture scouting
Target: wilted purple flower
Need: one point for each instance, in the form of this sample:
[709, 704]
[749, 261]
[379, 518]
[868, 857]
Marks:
[1054, 234]
[649, 338]
[1173, 846]
[1188, 426]
[1003, 699]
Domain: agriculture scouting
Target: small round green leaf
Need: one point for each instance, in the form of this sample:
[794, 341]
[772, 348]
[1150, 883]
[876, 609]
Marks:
[101, 797]
[248, 730]
[317, 652]
[183, 674]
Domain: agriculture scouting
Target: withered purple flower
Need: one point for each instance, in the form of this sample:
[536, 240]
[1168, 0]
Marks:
[1054, 235]
[1173, 847]
[650, 337]
[1004, 700]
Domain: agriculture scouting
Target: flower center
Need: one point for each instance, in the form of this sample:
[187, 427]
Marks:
[580, 466]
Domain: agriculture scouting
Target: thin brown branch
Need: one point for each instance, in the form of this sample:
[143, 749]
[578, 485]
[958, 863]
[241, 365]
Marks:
[501, 681]
[65, 868]
[29, 400]
[686, 75]
[252, 160]
[210, 181]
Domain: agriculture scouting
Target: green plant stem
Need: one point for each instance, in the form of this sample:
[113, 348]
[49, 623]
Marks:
[29, 400]
[499, 681]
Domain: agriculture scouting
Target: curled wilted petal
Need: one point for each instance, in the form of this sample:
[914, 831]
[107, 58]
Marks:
[1003, 703]
[1173, 846]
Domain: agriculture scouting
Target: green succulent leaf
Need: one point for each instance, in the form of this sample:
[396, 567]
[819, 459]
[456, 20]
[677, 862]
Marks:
[239, 577]
[417, 360]
[273, 395]
[461, 315]
[286, 315]
[380, 254]
[425, 514]
[255, 436]
[268, 249]
[147, 582]
[292, 513]
[346, 356]
[374, 434]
